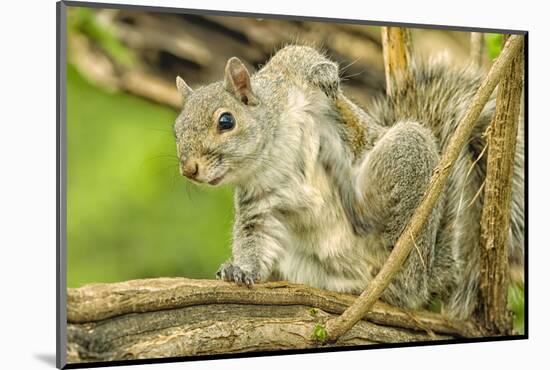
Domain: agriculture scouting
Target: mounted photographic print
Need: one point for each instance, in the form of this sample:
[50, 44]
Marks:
[235, 184]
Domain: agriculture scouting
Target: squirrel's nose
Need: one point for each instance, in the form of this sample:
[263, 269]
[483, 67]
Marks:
[190, 168]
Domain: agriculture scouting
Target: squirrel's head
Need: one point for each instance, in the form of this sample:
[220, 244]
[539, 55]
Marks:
[219, 130]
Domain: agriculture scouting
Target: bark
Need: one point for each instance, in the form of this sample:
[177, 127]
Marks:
[405, 243]
[495, 218]
[169, 317]
[397, 50]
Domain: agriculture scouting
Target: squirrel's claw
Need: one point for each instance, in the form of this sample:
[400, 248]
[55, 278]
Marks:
[232, 273]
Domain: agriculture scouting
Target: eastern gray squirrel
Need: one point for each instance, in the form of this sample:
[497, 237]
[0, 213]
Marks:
[324, 188]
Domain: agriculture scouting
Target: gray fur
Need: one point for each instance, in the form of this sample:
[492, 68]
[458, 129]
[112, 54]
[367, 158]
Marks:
[324, 188]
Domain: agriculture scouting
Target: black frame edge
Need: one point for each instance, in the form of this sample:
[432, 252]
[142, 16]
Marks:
[61, 183]
[290, 352]
[526, 183]
[288, 16]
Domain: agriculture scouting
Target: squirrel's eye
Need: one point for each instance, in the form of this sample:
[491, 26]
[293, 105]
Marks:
[226, 122]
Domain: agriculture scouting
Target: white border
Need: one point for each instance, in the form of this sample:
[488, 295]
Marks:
[27, 183]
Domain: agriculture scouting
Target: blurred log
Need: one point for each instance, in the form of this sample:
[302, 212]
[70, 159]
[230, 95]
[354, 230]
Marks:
[169, 317]
[97, 68]
[263, 33]
[197, 47]
[147, 33]
[92, 63]
[151, 87]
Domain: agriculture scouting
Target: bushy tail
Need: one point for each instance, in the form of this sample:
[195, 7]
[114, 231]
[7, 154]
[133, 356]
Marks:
[438, 97]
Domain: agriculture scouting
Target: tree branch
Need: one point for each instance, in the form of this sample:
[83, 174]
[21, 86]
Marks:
[397, 50]
[178, 317]
[477, 44]
[495, 217]
[338, 326]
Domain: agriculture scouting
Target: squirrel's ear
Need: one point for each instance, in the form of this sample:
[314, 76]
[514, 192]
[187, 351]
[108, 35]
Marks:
[183, 88]
[237, 81]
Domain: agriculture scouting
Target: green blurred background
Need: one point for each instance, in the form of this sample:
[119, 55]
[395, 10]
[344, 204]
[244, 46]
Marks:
[129, 213]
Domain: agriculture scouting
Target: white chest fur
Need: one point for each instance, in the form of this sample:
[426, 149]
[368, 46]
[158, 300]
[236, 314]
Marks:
[320, 248]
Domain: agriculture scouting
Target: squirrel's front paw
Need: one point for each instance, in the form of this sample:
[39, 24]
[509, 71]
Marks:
[230, 272]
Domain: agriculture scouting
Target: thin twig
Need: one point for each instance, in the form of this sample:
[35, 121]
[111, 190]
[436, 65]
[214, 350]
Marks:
[476, 195]
[419, 254]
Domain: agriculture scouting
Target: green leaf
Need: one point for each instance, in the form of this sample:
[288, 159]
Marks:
[313, 311]
[320, 333]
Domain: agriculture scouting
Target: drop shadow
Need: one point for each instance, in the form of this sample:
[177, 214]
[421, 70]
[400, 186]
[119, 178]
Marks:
[47, 358]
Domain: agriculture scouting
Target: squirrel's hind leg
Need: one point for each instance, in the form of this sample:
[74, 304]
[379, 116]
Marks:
[392, 179]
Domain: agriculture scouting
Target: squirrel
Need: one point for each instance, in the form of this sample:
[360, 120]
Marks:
[323, 187]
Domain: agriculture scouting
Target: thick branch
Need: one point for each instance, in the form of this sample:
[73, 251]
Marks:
[216, 329]
[397, 49]
[179, 317]
[405, 242]
[495, 217]
[102, 301]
